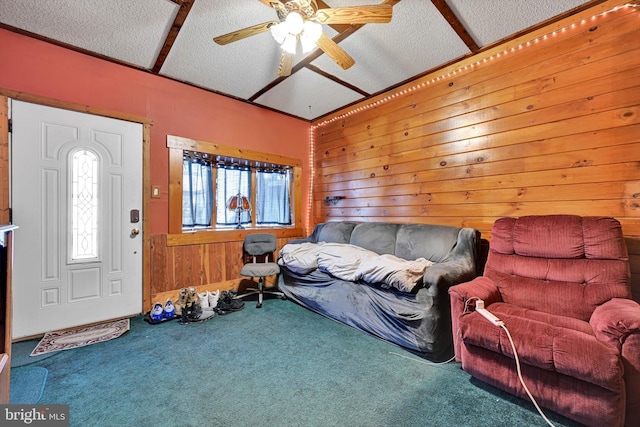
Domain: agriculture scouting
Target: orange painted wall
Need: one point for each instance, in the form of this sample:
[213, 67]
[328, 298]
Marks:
[39, 68]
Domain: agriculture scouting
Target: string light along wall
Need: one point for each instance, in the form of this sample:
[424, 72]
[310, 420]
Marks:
[469, 67]
[312, 157]
[425, 84]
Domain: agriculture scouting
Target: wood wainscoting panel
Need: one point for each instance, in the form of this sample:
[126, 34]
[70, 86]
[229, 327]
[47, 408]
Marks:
[207, 266]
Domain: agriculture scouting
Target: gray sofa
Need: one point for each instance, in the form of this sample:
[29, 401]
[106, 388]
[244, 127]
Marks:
[419, 321]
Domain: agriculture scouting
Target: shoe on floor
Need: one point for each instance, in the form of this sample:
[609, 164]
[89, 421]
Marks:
[156, 313]
[192, 297]
[169, 310]
[195, 313]
[181, 301]
[229, 303]
[205, 315]
[214, 297]
[204, 300]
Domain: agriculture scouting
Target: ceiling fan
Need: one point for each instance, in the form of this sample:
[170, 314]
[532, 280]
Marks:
[299, 21]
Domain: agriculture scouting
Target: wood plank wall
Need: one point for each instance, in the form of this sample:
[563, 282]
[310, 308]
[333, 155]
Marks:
[205, 266]
[552, 127]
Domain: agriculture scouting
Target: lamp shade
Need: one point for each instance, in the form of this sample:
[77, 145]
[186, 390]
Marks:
[310, 35]
[238, 203]
[289, 44]
[279, 32]
[294, 22]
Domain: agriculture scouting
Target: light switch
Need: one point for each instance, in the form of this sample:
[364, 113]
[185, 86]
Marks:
[155, 191]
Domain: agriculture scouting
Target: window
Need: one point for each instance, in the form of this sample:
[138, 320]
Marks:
[272, 199]
[197, 192]
[84, 205]
[272, 193]
[231, 181]
[205, 176]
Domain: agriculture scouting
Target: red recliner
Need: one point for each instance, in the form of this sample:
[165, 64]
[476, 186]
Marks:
[561, 285]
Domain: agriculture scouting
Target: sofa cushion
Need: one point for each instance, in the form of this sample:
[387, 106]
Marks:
[554, 343]
[434, 242]
[375, 236]
[336, 232]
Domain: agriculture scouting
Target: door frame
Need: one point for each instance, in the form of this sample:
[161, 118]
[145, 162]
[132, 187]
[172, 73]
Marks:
[5, 158]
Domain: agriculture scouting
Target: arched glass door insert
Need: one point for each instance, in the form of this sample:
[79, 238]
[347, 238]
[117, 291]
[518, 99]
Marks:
[84, 205]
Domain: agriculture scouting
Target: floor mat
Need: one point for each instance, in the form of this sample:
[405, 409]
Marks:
[66, 340]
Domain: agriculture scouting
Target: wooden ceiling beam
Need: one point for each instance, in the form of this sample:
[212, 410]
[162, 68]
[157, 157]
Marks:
[456, 24]
[181, 16]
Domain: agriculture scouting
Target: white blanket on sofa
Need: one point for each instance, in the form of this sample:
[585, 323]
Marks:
[353, 263]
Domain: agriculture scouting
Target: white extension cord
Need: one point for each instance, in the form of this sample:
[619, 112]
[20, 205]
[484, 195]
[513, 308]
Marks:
[497, 322]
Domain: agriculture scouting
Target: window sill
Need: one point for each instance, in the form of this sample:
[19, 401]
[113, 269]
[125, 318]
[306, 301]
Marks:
[228, 235]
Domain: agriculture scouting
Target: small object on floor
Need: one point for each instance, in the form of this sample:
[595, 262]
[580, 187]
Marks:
[214, 297]
[194, 314]
[204, 300]
[157, 312]
[169, 310]
[147, 318]
[209, 300]
[229, 303]
[181, 301]
[192, 297]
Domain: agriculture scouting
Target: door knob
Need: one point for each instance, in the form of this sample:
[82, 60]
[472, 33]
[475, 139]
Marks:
[135, 232]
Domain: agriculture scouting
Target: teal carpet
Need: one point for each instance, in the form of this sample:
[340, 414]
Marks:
[280, 365]
[27, 384]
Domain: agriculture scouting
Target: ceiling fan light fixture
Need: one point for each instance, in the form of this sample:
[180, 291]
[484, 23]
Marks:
[310, 35]
[279, 32]
[289, 44]
[294, 22]
[300, 20]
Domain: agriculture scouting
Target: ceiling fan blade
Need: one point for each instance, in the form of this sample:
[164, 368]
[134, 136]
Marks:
[335, 52]
[272, 3]
[277, 5]
[244, 33]
[286, 61]
[379, 14]
[338, 27]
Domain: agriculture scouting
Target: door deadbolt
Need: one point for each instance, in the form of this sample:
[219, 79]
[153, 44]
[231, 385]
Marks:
[134, 216]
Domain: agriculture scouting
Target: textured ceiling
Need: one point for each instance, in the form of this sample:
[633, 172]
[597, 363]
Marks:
[174, 39]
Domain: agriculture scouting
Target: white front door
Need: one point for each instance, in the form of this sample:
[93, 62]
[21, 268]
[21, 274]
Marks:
[76, 196]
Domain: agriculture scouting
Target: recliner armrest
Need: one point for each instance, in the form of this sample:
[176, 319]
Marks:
[480, 287]
[615, 320]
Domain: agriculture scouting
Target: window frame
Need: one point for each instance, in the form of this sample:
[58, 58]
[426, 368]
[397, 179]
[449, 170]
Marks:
[179, 236]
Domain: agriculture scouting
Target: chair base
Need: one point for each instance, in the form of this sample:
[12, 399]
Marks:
[260, 291]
